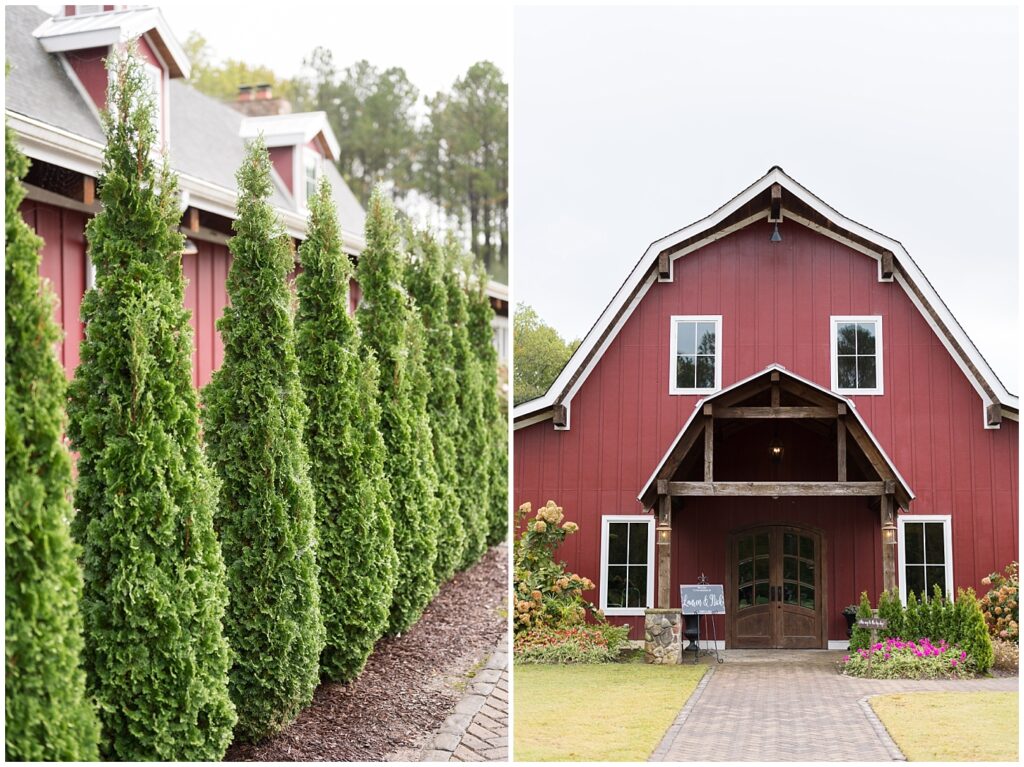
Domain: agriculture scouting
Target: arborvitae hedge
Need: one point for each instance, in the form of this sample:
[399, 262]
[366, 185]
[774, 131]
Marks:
[346, 452]
[384, 319]
[154, 591]
[424, 279]
[48, 716]
[482, 337]
[254, 420]
[472, 445]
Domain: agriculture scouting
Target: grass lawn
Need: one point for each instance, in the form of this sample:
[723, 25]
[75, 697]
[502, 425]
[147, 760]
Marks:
[612, 712]
[952, 726]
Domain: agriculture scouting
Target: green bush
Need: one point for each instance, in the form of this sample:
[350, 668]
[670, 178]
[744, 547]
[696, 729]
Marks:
[482, 337]
[48, 716]
[891, 609]
[971, 633]
[861, 638]
[384, 319]
[1001, 605]
[424, 279]
[356, 551]
[600, 643]
[473, 442]
[254, 420]
[154, 591]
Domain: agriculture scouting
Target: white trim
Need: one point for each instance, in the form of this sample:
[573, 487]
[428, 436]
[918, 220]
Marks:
[606, 519]
[675, 319]
[834, 321]
[947, 534]
[839, 644]
[775, 175]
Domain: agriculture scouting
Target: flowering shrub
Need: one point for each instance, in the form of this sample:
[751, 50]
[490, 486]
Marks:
[598, 643]
[902, 659]
[1000, 604]
[1006, 655]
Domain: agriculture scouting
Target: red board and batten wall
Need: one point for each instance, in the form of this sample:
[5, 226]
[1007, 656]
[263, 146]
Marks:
[776, 301]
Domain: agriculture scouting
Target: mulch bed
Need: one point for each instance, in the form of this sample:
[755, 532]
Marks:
[410, 685]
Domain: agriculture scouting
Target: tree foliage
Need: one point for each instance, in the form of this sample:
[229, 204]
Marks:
[254, 418]
[222, 80]
[346, 452]
[388, 332]
[48, 716]
[540, 354]
[154, 591]
[473, 441]
[482, 336]
[424, 279]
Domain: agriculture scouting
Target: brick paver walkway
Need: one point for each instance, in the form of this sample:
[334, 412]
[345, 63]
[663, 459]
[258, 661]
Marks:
[791, 711]
[478, 730]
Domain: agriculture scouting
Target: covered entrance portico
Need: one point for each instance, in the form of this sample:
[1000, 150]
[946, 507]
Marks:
[771, 485]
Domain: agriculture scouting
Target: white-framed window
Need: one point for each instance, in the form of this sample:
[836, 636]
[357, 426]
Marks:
[313, 169]
[857, 355]
[925, 544]
[627, 564]
[695, 354]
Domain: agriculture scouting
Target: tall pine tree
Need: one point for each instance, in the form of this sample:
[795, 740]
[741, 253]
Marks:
[47, 714]
[346, 452]
[154, 590]
[384, 320]
[424, 279]
[481, 334]
[472, 444]
[254, 420]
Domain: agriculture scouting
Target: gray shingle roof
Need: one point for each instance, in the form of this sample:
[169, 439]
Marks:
[204, 132]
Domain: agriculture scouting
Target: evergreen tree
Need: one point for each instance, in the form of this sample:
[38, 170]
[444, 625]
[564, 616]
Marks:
[154, 591]
[860, 639]
[384, 319]
[254, 420]
[346, 452]
[424, 279]
[482, 336]
[473, 441]
[48, 716]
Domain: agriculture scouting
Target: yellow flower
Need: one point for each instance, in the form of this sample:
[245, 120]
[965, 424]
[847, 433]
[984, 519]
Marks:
[537, 596]
[540, 526]
[570, 527]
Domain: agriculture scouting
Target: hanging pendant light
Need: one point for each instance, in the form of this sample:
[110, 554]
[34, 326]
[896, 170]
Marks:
[776, 237]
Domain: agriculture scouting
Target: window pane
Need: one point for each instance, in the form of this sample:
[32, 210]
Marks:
[637, 593]
[846, 338]
[807, 573]
[746, 571]
[935, 546]
[913, 533]
[789, 593]
[846, 376]
[915, 580]
[807, 597]
[705, 338]
[745, 597]
[705, 372]
[746, 548]
[789, 568]
[685, 335]
[761, 593]
[686, 372]
[865, 338]
[761, 544]
[789, 544]
[616, 586]
[617, 537]
[935, 575]
[761, 568]
[806, 547]
[638, 543]
[866, 373]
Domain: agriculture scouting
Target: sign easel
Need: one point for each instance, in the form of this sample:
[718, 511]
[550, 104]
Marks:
[703, 598]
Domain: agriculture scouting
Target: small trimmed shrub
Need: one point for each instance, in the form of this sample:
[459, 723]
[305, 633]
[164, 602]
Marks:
[970, 631]
[896, 658]
[600, 643]
[891, 609]
[1001, 605]
[861, 637]
[254, 419]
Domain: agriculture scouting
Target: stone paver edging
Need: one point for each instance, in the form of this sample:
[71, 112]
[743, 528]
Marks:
[880, 731]
[478, 729]
[661, 752]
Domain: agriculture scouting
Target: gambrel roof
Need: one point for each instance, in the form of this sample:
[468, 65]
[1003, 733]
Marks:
[774, 193]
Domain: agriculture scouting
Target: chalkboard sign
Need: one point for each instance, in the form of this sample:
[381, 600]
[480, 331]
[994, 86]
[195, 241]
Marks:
[873, 623]
[702, 599]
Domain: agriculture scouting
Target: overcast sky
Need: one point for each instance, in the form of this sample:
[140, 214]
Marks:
[629, 123]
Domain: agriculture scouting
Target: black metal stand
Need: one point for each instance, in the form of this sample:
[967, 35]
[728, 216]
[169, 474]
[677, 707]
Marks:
[714, 647]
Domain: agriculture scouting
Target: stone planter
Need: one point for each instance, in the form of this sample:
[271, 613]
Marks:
[663, 636]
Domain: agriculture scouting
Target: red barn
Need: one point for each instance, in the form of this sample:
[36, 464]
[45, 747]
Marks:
[775, 398]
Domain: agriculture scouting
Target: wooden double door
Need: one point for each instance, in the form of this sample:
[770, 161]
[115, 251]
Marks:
[776, 588]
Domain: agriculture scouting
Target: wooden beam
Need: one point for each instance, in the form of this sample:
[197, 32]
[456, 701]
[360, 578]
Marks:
[193, 219]
[776, 395]
[887, 259]
[888, 550]
[709, 445]
[994, 414]
[776, 488]
[664, 554]
[776, 412]
[88, 190]
[559, 414]
[775, 214]
[663, 265]
[841, 448]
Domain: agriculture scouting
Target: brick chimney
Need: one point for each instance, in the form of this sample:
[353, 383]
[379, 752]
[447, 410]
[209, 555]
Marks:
[258, 101]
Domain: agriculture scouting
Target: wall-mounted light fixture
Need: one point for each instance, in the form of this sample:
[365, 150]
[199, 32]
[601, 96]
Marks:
[776, 449]
[189, 248]
[889, 533]
[664, 535]
[776, 237]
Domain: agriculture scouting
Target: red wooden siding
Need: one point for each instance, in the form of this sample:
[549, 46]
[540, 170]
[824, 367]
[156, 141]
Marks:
[64, 266]
[281, 159]
[776, 302]
[91, 72]
[206, 296]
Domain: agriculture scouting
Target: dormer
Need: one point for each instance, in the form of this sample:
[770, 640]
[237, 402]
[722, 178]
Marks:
[82, 36]
[299, 146]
